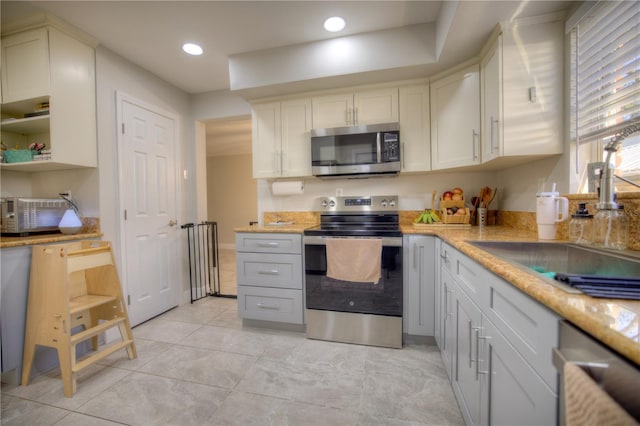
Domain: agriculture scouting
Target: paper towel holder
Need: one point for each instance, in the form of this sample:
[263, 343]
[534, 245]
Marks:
[287, 187]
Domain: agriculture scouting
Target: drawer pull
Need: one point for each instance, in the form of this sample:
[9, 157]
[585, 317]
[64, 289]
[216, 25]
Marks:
[272, 308]
[271, 272]
[268, 244]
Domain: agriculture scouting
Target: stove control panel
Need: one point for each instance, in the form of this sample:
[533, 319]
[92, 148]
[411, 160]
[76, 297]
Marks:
[359, 203]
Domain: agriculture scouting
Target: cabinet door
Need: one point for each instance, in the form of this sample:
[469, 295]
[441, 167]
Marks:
[25, 66]
[533, 89]
[512, 392]
[414, 128]
[266, 140]
[332, 110]
[448, 322]
[455, 120]
[375, 106]
[466, 384]
[438, 297]
[420, 303]
[296, 143]
[491, 94]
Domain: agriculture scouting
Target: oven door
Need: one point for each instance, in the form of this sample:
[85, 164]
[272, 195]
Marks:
[327, 294]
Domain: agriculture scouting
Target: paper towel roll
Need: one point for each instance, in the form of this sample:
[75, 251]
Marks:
[291, 187]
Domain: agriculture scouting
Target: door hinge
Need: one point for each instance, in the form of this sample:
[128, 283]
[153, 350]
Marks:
[128, 299]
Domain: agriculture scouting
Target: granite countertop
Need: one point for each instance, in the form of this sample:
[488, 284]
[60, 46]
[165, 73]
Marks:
[7, 242]
[615, 322]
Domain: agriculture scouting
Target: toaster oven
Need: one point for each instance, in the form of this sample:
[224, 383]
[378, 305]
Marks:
[24, 216]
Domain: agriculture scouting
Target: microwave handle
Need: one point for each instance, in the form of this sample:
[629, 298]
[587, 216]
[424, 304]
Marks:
[379, 147]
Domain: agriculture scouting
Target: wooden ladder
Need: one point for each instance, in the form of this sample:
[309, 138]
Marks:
[74, 285]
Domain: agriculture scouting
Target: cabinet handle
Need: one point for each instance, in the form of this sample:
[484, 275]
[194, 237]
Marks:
[471, 360]
[347, 114]
[444, 257]
[478, 337]
[271, 272]
[474, 134]
[267, 244]
[449, 311]
[271, 308]
[355, 115]
[494, 147]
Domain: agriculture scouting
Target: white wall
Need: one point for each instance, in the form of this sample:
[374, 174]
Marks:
[117, 74]
[414, 190]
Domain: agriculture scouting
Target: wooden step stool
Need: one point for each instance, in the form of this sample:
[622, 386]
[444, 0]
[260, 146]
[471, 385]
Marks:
[71, 285]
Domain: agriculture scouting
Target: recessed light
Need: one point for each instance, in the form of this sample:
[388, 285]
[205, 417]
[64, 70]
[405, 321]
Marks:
[192, 49]
[334, 24]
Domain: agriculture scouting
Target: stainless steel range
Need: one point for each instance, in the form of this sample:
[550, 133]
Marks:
[353, 272]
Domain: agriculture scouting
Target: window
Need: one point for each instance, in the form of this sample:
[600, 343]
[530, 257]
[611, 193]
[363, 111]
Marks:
[606, 82]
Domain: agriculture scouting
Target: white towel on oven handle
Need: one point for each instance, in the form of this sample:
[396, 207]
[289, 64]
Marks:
[354, 259]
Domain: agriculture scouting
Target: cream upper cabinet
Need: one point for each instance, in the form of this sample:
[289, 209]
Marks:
[332, 110]
[36, 67]
[265, 137]
[455, 119]
[25, 65]
[296, 138]
[362, 107]
[490, 93]
[522, 92]
[281, 139]
[414, 128]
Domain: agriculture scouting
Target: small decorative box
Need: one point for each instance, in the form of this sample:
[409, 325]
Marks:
[18, 155]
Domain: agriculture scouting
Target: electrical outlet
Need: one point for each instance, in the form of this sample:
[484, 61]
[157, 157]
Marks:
[339, 192]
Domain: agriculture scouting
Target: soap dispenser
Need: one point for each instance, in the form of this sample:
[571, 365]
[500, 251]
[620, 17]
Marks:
[581, 226]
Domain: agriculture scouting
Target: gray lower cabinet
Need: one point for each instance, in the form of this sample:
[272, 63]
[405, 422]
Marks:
[270, 277]
[496, 344]
[419, 285]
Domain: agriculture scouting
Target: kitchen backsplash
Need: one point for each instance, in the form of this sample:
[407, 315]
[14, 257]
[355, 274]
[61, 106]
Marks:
[513, 219]
[630, 201]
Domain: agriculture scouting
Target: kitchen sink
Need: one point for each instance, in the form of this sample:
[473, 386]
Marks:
[549, 259]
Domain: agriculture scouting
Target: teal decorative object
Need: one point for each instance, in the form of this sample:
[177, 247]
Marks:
[18, 155]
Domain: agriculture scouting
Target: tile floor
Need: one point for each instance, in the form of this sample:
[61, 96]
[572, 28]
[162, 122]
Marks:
[197, 365]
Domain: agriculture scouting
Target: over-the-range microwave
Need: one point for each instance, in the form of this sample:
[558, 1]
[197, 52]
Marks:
[356, 151]
[26, 216]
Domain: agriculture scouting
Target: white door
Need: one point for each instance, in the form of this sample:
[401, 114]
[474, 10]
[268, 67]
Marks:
[148, 172]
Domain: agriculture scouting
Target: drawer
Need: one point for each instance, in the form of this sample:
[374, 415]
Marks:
[472, 278]
[529, 326]
[270, 304]
[269, 270]
[269, 243]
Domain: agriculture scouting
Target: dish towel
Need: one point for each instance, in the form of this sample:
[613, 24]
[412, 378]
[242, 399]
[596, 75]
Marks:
[354, 259]
[587, 404]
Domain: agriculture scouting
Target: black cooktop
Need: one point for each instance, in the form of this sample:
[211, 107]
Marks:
[370, 224]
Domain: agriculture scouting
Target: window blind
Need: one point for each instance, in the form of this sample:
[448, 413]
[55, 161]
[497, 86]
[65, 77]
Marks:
[608, 70]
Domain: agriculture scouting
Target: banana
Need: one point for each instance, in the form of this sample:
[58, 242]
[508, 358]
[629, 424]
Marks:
[428, 216]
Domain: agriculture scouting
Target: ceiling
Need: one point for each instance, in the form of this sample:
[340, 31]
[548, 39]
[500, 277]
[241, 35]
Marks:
[151, 33]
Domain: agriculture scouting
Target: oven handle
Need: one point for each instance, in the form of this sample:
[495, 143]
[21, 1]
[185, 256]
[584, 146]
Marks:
[315, 240]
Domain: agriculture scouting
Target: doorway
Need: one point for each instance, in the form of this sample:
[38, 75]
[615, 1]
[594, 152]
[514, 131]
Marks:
[232, 198]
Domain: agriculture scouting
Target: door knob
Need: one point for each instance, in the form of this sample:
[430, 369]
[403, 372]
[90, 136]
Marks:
[173, 222]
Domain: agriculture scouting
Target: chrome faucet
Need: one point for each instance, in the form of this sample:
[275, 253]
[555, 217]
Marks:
[606, 200]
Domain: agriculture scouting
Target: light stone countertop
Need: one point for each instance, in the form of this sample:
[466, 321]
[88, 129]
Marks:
[615, 322]
[7, 242]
